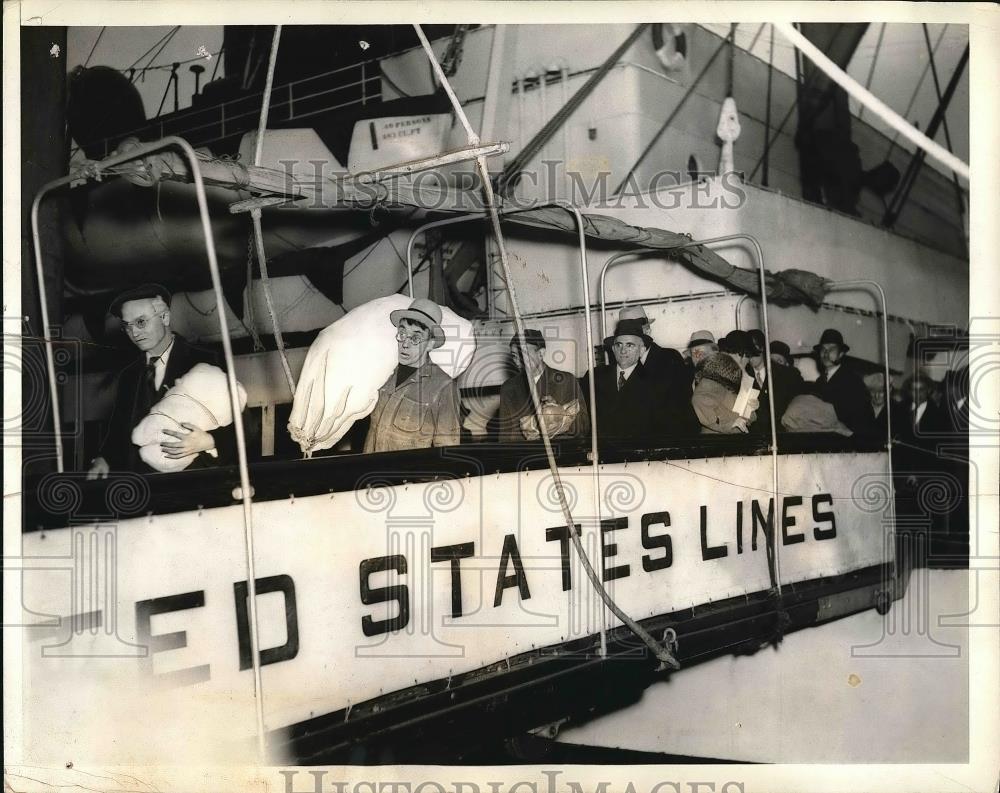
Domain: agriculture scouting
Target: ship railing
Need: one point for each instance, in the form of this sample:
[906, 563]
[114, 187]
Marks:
[759, 255]
[245, 490]
[293, 101]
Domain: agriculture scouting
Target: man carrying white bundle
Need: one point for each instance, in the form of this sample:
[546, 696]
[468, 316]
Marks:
[418, 405]
[145, 318]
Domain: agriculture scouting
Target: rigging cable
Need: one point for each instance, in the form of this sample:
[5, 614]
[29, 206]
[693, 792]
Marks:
[916, 92]
[98, 41]
[255, 214]
[960, 199]
[157, 44]
[662, 654]
[767, 111]
[871, 71]
[876, 105]
[755, 37]
[513, 170]
[163, 46]
[673, 114]
[731, 65]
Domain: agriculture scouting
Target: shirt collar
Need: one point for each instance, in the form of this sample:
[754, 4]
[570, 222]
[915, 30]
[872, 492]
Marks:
[627, 372]
[163, 356]
[832, 371]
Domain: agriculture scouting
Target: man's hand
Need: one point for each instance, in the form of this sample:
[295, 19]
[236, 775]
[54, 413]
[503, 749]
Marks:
[99, 469]
[741, 424]
[191, 442]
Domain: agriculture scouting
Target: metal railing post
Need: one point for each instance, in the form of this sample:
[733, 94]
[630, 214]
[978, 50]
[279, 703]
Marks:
[767, 343]
[855, 284]
[584, 274]
[213, 267]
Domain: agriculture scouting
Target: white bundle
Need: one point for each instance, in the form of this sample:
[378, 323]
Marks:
[351, 359]
[201, 398]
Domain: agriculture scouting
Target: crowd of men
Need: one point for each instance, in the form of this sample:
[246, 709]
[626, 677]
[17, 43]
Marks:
[646, 395]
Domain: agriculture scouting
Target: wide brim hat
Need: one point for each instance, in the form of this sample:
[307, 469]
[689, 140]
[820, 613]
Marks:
[635, 312]
[424, 311]
[700, 337]
[737, 342]
[143, 292]
[831, 336]
[628, 327]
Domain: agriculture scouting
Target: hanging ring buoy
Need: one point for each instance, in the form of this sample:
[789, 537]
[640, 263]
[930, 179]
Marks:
[670, 45]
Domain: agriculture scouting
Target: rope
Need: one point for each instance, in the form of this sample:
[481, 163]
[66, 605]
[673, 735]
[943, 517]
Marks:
[249, 318]
[873, 103]
[661, 653]
[258, 233]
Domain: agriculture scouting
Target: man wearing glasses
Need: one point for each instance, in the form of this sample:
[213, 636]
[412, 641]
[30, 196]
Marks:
[418, 405]
[144, 313]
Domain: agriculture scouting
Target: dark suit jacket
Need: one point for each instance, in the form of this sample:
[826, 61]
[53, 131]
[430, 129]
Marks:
[648, 411]
[515, 402]
[916, 449]
[131, 406]
[849, 397]
[669, 364]
[788, 384]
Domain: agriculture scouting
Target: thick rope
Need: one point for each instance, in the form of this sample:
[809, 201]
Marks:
[661, 653]
[258, 233]
[873, 103]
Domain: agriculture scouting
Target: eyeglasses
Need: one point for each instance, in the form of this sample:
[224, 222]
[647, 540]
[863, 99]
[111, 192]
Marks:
[415, 338]
[139, 324]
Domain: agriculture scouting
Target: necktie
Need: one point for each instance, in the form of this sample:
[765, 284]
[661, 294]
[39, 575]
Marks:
[621, 379]
[151, 379]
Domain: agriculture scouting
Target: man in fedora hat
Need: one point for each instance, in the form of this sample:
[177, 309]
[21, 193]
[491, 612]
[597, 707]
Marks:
[418, 405]
[788, 383]
[553, 386]
[659, 361]
[635, 405]
[841, 387]
[781, 354]
[144, 313]
[701, 344]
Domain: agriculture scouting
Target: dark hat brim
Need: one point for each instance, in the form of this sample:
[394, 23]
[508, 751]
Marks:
[842, 346]
[143, 292]
[610, 340]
